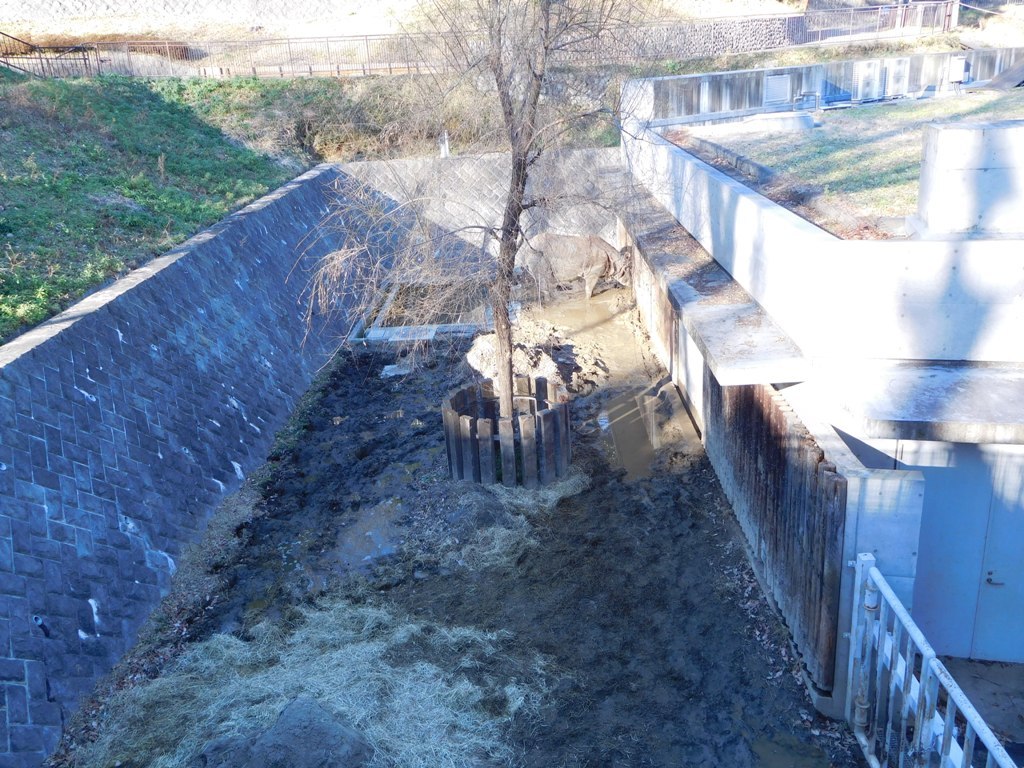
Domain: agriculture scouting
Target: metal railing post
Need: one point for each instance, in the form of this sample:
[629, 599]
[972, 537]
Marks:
[858, 622]
[901, 714]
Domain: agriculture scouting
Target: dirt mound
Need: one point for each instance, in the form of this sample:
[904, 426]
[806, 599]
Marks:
[611, 620]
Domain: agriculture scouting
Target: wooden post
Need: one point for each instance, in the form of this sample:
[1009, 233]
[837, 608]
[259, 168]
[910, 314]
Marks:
[470, 458]
[547, 420]
[485, 438]
[453, 439]
[567, 422]
[540, 387]
[506, 436]
[528, 439]
[562, 430]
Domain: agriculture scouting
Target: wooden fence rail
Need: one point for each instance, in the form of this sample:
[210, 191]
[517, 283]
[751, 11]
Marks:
[791, 504]
[531, 449]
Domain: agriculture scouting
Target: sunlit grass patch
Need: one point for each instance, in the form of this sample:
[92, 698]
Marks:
[98, 176]
[871, 154]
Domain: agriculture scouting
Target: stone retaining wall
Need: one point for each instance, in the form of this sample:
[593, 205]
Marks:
[123, 423]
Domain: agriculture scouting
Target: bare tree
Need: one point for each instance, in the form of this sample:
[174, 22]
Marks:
[516, 42]
[506, 49]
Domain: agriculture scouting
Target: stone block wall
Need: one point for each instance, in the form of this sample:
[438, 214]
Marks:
[123, 423]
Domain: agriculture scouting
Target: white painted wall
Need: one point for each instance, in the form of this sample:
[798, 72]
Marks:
[969, 595]
[941, 300]
[972, 178]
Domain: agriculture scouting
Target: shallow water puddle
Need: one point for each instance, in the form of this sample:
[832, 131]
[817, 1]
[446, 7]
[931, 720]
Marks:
[627, 423]
[601, 321]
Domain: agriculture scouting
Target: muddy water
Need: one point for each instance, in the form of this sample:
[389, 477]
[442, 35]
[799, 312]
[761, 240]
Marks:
[657, 648]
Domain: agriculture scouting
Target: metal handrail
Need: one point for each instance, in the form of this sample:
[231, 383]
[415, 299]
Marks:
[904, 706]
[400, 53]
[20, 55]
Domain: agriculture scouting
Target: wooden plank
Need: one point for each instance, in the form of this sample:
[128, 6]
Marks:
[540, 388]
[567, 418]
[470, 457]
[488, 389]
[835, 525]
[528, 442]
[485, 440]
[548, 445]
[453, 442]
[507, 440]
[490, 400]
[562, 427]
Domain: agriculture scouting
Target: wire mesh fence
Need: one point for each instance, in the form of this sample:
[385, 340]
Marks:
[406, 53]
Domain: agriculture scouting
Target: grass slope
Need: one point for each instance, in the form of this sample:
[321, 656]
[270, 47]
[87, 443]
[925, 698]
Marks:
[871, 155]
[96, 177]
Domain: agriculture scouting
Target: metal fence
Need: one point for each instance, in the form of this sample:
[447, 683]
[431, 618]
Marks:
[61, 61]
[713, 96]
[395, 54]
[903, 704]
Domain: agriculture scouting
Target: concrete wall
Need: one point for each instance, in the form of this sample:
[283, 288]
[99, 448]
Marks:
[883, 505]
[972, 179]
[939, 300]
[123, 423]
[685, 99]
[971, 578]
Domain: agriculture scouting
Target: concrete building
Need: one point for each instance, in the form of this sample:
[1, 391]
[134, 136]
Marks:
[903, 360]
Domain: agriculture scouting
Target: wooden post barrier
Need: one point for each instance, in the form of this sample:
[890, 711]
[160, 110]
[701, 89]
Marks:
[532, 449]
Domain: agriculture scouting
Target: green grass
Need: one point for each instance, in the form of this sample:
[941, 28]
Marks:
[96, 177]
[871, 155]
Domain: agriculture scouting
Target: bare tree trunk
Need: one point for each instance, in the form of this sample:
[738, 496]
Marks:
[503, 331]
[502, 288]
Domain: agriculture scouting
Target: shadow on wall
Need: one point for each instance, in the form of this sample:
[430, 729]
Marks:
[122, 432]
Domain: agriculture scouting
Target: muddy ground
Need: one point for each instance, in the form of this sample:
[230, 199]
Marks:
[622, 599]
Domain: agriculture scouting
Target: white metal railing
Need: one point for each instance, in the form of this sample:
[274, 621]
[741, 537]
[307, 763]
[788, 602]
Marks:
[902, 703]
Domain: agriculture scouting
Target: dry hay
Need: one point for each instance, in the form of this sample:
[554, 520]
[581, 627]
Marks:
[413, 714]
[545, 499]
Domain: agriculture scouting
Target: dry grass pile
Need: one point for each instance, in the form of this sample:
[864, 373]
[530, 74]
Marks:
[414, 712]
[543, 500]
[503, 540]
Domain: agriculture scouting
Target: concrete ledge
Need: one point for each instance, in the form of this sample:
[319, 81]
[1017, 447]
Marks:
[737, 338]
[929, 300]
[952, 402]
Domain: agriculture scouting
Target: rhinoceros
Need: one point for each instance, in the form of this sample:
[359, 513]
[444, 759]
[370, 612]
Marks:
[554, 259]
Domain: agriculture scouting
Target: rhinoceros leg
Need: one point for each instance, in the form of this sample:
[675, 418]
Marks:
[545, 278]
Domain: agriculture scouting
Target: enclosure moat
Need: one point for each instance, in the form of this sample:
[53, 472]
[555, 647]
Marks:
[610, 619]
